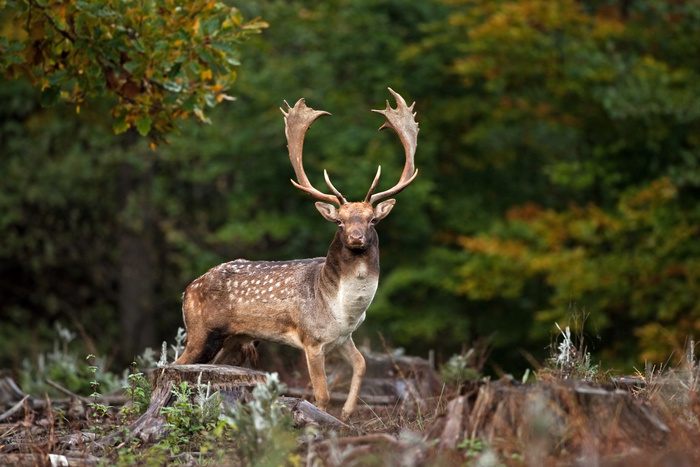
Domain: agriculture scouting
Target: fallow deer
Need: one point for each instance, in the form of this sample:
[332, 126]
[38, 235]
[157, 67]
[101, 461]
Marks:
[311, 304]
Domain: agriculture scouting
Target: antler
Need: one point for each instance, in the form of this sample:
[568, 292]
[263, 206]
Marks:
[297, 120]
[402, 121]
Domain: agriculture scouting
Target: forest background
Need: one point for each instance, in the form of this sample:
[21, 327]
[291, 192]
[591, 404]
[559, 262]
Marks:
[559, 159]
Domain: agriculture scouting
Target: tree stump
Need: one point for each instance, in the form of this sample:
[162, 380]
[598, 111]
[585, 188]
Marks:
[542, 419]
[234, 385]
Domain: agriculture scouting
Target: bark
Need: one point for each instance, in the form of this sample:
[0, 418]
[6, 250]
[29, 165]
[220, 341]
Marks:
[137, 268]
[546, 419]
[234, 384]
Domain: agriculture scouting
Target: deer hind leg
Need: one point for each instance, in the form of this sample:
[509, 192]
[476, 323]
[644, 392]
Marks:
[202, 346]
[350, 354]
[238, 351]
[316, 361]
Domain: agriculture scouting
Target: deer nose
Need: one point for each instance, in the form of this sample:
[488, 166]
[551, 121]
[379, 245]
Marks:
[356, 237]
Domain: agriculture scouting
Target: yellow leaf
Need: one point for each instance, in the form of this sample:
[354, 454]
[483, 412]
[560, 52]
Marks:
[205, 75]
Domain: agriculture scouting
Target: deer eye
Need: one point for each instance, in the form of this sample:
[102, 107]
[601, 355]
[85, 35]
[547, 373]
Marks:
[338, 221]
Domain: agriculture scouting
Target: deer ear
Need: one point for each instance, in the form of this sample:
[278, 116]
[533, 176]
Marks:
[383, 209]
[328, 211]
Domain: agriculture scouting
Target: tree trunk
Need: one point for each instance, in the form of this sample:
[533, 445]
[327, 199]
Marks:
[137, 268]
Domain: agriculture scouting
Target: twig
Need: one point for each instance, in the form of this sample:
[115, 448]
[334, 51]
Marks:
[15, 408]
[339, 396]
[371, 438]
[68, 392]
[411, 389]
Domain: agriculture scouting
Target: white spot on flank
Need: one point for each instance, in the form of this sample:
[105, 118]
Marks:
[235, 284]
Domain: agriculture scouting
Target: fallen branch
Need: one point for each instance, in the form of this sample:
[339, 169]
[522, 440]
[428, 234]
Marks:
[340, 397]
[68, 392]
[15, 408]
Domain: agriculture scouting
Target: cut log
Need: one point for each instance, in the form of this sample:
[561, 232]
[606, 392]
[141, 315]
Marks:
[543, 419]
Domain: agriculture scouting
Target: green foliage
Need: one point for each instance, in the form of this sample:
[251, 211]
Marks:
[164, 60]
[263, 428]
[635, 266]
[571, 360]
[583, 90]
[190, 416]
[258, 433]
[593, 109]
[139, 391]
[459, 368]
[99, 411]
[473, 447]
[192, 427]
[545, 125]
[63, 366]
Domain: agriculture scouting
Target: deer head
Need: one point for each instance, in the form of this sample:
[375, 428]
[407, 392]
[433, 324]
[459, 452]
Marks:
[355, 220]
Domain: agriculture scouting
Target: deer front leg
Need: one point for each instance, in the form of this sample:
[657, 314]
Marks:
[316, 361]
[350, 354]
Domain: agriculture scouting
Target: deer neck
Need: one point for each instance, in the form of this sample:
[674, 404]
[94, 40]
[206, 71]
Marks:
[348, 281]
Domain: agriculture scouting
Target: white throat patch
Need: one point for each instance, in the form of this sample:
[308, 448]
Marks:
[355, 293]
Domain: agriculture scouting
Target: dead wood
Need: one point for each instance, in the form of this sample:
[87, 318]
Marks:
[542, 419]
[15, 408]
[42, 459]
[391, 381]
[305, 413]
[234, 385]
[55, 385]
[339, 397]
[10, 393]
[356, 450]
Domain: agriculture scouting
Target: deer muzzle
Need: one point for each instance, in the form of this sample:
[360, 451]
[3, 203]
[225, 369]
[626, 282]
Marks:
[356, 239]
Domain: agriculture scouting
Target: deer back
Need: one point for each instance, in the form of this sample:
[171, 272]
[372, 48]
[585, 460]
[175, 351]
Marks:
[269, 300]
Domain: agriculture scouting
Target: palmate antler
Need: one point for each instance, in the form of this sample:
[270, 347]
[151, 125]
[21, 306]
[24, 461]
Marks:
[299, 118]
[402, 121]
